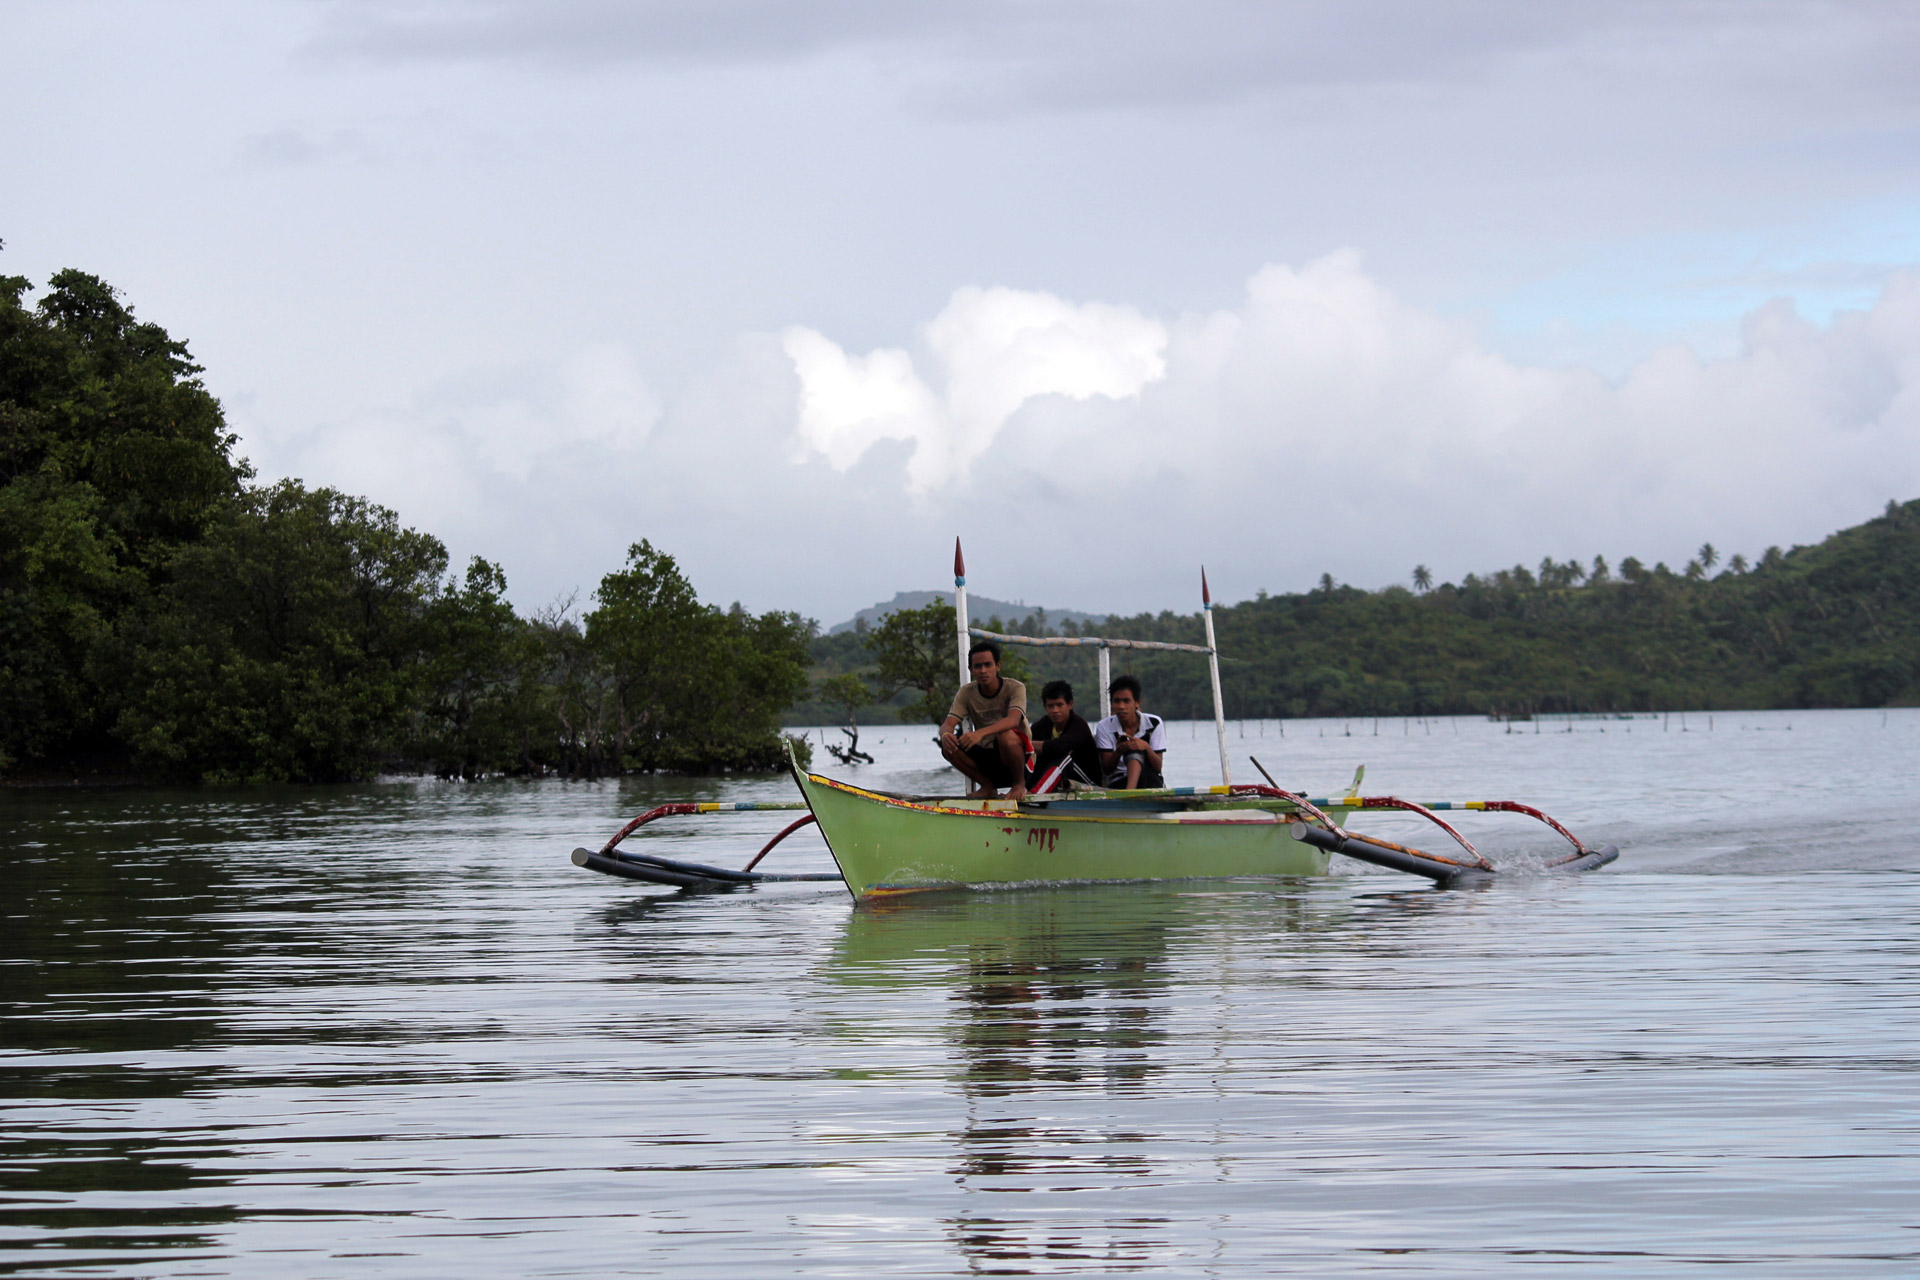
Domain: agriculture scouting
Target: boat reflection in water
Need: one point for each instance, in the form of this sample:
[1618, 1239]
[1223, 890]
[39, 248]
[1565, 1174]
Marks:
[1064, 1005]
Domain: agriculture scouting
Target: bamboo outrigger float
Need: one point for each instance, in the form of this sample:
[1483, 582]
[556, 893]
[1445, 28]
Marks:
[886, 844]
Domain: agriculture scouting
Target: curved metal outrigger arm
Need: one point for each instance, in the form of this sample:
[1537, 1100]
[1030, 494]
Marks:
[614, 861]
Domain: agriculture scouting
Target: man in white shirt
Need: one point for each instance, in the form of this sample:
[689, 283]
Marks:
[1132, 742]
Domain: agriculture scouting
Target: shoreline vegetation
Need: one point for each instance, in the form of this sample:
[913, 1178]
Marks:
[164, 618]
[1836, 624]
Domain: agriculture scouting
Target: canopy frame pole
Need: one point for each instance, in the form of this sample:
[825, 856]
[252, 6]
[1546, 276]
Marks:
[1106, 678]
[1087, 642]
[960, 609]
[1213, 670]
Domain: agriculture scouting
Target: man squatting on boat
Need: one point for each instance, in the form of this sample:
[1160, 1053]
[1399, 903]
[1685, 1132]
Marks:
[1126, 749]
[994, 755]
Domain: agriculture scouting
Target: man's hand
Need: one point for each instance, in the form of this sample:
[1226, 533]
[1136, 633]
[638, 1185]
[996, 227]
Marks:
[1012, 720]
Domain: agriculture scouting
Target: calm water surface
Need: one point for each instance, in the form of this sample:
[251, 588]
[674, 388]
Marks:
[391, 1031]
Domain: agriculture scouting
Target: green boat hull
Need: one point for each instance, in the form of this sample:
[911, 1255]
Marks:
[886, 844]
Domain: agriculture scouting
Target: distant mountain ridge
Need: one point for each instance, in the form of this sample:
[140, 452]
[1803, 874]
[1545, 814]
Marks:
[978, 608]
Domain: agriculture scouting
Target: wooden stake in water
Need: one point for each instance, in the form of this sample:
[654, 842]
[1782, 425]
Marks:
[1213, 670]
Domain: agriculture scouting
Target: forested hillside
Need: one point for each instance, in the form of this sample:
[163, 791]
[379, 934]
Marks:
[1832, 625]
[163, 617]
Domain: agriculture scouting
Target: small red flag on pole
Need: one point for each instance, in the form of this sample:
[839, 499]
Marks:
[960, 608]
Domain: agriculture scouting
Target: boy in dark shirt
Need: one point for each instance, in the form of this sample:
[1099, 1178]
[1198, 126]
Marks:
[1061, 734]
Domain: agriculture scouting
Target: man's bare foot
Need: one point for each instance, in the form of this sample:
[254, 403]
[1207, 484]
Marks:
[983, 793]
[1017, 792]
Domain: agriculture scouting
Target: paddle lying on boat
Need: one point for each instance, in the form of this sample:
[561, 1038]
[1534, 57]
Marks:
[885, 843]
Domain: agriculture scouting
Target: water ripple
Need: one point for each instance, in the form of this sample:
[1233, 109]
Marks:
[390, 1031]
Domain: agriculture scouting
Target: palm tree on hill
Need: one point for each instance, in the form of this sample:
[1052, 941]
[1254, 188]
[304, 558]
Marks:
[1422, 577]
[1707, 556]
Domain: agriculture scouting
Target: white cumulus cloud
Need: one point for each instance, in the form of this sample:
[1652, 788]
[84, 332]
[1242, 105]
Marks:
[1093, 455]
[1326, 424]
[994, 350]
[848, 403]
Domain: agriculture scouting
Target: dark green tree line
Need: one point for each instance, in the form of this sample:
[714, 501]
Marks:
[1832, 625]
[162, 614]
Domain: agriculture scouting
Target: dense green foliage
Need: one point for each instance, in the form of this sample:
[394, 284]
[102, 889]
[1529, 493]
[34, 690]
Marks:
[111, 454]
[160, 614]
[283, 644]
[906, 668]
[914, 651]
[681, 685]
[1832, 625]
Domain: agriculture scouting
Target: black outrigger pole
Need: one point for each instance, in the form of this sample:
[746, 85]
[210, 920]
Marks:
[1313, 826]
[612, 860]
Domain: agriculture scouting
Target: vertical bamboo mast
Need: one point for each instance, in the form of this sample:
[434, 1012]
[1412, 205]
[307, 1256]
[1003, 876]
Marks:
[960, 609]
[1213, 669]
[1106, 678]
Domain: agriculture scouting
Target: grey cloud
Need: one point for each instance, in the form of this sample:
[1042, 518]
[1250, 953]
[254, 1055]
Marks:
[996, 54]
[592, 32]
[291, 148]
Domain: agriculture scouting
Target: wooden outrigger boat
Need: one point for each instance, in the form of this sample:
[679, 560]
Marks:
[886, 844]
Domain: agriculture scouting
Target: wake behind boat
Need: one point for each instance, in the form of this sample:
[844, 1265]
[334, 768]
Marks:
[886, 844]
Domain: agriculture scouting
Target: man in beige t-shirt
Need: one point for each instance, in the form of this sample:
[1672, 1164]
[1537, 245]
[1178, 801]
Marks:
[994, 754]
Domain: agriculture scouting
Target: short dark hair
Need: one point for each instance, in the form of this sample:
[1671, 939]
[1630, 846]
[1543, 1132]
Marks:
[1130, 683]
[986, 646]
[1056, 689]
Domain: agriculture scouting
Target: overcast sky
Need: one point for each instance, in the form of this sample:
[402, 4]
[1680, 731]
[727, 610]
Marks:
[800, 291]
